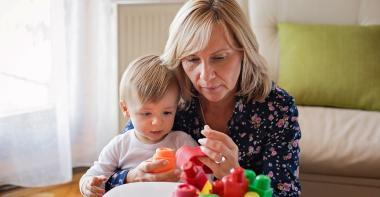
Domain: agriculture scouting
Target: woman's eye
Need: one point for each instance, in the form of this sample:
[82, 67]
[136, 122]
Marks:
[190, 60]
[219, 58]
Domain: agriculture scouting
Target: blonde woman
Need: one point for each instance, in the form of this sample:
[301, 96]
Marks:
[237, 114]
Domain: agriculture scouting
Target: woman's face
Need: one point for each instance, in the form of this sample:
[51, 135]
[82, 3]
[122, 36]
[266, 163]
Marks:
[214, 71]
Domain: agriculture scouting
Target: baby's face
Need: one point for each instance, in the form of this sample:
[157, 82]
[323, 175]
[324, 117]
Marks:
[153, 120]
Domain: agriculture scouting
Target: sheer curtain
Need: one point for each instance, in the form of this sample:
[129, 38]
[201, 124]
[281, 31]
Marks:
[58, 84]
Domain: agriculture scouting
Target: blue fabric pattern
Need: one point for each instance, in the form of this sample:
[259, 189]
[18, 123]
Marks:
[118, 178]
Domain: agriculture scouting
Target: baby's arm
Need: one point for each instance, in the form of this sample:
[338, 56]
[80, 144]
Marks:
[92, 182]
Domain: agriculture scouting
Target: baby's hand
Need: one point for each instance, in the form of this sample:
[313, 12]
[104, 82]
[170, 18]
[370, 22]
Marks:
[93, 186]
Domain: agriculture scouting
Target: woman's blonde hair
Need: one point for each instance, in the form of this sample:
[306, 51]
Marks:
[149, 78]
[190, 32]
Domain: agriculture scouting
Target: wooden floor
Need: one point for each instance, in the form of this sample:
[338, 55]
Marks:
[65, 190]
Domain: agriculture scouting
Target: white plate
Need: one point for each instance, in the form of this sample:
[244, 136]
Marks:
[149, 189]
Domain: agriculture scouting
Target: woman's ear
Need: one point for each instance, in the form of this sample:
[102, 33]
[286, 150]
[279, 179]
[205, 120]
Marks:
[124, 109]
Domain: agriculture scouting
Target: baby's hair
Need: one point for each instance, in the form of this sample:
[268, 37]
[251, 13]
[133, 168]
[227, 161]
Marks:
[149, 78]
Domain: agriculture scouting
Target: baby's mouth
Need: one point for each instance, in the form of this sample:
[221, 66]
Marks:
[156, 132]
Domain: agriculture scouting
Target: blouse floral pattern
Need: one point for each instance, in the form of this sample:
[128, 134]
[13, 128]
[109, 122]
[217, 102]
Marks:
[267, 134]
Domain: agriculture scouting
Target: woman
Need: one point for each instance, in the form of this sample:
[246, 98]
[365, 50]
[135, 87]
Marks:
[250, 122]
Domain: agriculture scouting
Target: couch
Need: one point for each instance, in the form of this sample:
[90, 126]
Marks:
[340, 147]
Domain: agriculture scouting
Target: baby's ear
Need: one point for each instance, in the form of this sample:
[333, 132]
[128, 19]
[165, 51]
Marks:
[124, 109]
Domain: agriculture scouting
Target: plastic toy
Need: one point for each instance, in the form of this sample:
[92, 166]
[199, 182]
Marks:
[251, 176]
[239, 183]
[167, 154]
[185, 190]
[251, 194]
[208, 195]
[262, 186]
[233, 185]
[187, 153]
[194, 175]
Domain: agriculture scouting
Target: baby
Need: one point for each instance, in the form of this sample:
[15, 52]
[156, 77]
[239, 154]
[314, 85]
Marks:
[149, 94]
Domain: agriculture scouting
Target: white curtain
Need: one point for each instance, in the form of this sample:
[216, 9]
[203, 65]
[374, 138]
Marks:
[58, 84]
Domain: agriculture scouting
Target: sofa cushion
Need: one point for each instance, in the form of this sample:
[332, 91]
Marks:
[331, 65]
[265, 15]
[340, 142]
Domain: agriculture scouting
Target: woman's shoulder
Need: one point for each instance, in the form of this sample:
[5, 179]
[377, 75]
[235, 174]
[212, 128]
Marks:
[281, 96]
[278, 100]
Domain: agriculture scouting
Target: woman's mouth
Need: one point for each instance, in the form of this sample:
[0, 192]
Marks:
[210, 88]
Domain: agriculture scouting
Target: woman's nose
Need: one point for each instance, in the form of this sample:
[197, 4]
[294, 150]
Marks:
[207, 73]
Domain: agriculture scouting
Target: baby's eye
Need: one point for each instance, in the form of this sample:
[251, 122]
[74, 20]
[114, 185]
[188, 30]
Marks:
[168, 113]
[146, 114]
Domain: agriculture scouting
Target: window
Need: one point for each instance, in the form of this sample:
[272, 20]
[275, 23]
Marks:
[25, 51]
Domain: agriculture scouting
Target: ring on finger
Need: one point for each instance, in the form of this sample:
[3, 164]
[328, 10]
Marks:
[221, 160]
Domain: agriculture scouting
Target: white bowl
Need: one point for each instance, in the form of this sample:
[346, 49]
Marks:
[149, 189]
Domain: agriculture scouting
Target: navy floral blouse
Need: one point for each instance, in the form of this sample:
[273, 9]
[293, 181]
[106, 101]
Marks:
[267, 134]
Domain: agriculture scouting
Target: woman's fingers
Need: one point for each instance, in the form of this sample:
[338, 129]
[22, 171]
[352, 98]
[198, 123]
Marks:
[221, 151]
[209, 163]
[216, 135]
[215, 149]
[215, 155]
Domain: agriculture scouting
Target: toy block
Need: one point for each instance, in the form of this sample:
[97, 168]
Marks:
[185, 190]
[167, 154]
[187, 153]
[206, 188]
[218, 188]
[262, 186]
[194, 175]
[235, 184]
[251, 194]
[251, 176]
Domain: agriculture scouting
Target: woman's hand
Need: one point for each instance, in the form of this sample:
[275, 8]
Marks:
[143, 173]
[217, 145]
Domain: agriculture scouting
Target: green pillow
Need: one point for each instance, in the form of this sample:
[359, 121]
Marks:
[331, 65]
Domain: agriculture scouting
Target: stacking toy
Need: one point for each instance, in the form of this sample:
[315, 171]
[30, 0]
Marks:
[167, 154]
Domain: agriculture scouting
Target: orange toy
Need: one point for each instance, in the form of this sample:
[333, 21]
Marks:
[167, 154]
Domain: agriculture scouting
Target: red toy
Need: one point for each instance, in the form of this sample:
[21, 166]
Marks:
[233, 185]
[185, 190]
[187, 153]
[194, 175]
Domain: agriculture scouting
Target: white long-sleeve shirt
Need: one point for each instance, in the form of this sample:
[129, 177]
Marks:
[126, 151]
